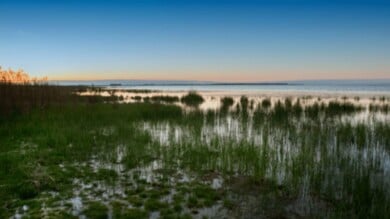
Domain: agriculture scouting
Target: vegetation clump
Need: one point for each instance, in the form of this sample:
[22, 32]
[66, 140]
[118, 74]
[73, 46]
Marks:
[134, 213]
[226, 102]
[244, 101]
[266, 103]
[96, 210]
[153, 204]
[136, 98]
[336, 108]
[192, 99]
[384, 108]
[166, 99]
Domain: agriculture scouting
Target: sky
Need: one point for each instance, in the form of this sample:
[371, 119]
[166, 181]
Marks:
[214, 40]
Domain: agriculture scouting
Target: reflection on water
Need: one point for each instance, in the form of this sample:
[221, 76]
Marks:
[213, 98]
[280, 158]
[324, 154]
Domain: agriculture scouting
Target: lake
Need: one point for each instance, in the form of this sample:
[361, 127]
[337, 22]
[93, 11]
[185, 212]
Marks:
[358, 87]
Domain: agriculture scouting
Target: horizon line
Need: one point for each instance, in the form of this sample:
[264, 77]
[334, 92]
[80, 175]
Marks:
[223, 82]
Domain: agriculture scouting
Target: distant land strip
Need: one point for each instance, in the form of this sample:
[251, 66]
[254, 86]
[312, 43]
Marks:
[197, 84]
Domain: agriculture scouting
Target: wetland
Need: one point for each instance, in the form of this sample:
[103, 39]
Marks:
[88, 153]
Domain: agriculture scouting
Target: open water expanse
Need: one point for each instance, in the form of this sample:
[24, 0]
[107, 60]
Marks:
[362, 87]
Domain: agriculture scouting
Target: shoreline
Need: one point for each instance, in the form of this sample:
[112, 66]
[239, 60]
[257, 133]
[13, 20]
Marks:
[265, 93]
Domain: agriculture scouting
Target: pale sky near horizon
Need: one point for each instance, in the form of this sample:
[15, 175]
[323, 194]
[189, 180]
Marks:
[206, 40]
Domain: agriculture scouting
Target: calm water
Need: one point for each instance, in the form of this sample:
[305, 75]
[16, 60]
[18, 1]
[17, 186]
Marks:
[349, 86]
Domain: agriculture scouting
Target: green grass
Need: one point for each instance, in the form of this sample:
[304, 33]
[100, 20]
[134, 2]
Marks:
[134, 214]
[153, 204]
[96, 210]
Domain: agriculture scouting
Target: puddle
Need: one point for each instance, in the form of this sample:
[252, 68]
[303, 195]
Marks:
[77, 205]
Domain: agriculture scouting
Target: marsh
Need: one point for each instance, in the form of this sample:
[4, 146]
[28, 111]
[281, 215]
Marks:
[223, 157]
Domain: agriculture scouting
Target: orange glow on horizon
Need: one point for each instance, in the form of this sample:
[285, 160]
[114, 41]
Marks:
[227, 76]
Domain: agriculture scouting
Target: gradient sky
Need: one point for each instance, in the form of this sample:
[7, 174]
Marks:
[197, 40]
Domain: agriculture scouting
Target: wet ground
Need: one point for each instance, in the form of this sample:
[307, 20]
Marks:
[233, 164]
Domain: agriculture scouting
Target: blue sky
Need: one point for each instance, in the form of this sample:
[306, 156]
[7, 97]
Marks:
[197, 40]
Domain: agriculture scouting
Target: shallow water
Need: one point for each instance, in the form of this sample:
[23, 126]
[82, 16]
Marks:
[212, 99]
[295, 164]
[285, 147]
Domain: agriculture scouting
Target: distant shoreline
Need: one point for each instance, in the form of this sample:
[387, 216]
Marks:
[204, 84]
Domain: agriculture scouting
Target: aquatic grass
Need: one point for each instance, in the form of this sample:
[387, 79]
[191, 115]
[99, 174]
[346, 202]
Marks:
[96, 210]
[244, 101]
[288, 103]
[384, 108]
[152, 204]
[226, 103]
[259, 117]
[266, 103]
[62, 135]
[313, 111]
[297, 108]
[336, 108]
[136, 98]
[279, 113]
[293, 153]
[139, 152]
[380, 132]
[192, 99]
[210, 116]
[107, 175]
[357, 98]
